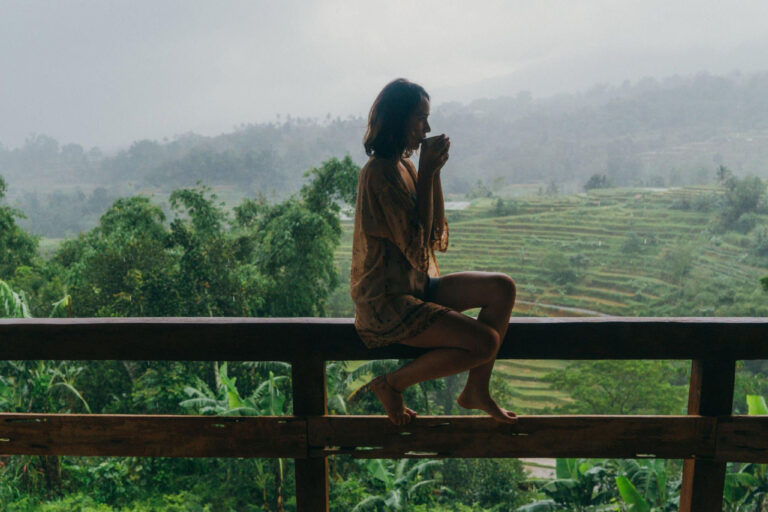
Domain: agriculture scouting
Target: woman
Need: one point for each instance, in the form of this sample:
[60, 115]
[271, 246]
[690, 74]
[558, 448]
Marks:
[398, 296]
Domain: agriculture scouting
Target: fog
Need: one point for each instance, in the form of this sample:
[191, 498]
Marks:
[108, 73]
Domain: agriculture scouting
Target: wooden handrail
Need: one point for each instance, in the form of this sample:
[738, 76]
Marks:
[707, 438]
[334, 339]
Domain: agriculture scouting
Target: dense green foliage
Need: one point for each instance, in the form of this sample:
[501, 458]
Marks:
[17, 248]
[619, 251]
[622, 387]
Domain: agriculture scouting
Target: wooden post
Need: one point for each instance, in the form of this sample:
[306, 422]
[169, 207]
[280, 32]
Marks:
[710, 394]
[309, 399]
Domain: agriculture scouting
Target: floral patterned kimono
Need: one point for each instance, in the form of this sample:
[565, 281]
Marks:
[392, 258]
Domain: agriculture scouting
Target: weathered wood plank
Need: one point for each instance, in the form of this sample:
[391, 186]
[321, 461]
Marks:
[710, 394]
[532, 436]
[737, 439]
[283, 339]
[742, 439]
[309, 399]
[152, 436]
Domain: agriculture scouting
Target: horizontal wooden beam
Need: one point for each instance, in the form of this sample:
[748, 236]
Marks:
[742, 439]
[284, 339]
[152, 436]
[735, 439]
[533, 436]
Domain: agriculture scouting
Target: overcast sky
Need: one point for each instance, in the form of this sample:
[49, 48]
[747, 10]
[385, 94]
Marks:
[106, 73]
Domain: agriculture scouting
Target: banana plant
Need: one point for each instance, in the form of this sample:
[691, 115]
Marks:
[580, 485]
[644, 485]
[337, 383]
[13, 304]
[746, 489]
[401, 479]
[267, 399]
[35, 386]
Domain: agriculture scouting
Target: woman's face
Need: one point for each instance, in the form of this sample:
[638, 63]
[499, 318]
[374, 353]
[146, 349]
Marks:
[418, 126]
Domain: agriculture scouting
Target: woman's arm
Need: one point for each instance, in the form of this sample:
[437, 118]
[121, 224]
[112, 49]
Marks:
[437, 202]
[425, 190]
[431, 160]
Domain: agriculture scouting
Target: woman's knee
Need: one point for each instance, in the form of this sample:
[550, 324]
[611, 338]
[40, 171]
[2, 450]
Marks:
[505, 287]
[455, 330]
[486, 343]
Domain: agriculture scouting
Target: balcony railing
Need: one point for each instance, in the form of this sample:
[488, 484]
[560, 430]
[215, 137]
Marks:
[707, 438]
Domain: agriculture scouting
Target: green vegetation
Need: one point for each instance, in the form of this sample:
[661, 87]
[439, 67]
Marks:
[688, 251]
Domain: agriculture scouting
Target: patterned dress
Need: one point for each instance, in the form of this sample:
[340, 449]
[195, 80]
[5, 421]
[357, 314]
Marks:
[392, 257]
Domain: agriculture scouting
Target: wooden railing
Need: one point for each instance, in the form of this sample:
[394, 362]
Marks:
[707, 438]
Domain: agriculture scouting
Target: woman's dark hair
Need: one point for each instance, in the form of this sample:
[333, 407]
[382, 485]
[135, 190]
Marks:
[387, 132]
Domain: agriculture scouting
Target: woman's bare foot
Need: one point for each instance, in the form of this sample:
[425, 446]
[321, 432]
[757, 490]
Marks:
[486, 403]
[392, 400]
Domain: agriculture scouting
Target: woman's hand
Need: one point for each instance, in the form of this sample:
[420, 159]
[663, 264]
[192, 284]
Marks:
[433, 154]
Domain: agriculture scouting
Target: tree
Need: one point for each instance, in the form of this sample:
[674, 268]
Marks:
[739, 203]
[503, 208]
[552, 188]
[485, 482]
[123, 267]
[479, 190]
[677, 263]
[632, 244]
[620, 387]
[17, 248]
[271, 260]
[333, 182]
[723, 174]
[597, 181]
[560, 268]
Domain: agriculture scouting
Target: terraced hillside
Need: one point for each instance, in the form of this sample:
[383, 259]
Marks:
[617, 251]
[529, 392]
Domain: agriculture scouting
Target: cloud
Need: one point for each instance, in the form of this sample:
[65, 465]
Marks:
[107, 73]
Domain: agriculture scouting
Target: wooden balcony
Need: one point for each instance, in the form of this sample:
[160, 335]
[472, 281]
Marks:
[707, 438]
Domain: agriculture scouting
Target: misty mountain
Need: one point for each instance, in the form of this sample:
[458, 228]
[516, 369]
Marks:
[651, 132]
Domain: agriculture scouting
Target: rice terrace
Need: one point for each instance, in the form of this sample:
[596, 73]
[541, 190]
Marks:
[617, 251]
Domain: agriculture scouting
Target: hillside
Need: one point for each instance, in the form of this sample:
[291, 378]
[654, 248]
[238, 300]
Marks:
[627, 252]
[611, 251]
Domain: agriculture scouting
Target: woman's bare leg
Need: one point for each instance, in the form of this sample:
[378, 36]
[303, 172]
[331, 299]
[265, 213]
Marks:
[495, 294]
[462, 292]
[459, 343]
